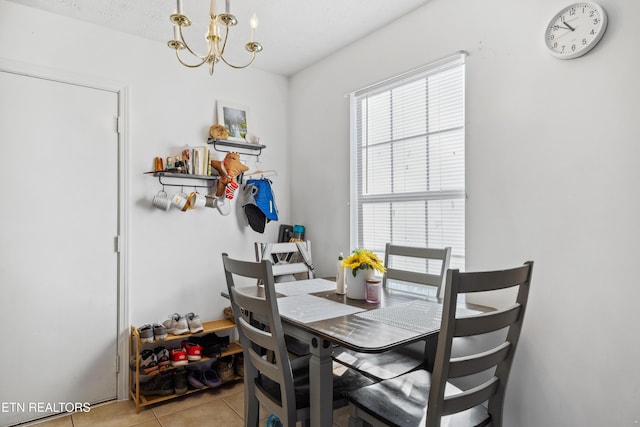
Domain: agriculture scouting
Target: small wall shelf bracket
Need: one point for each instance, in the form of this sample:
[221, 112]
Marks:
[250, 148]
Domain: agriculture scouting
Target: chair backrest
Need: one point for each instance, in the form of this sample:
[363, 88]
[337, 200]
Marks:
[288, 258]
[499, 357]
[408, 255]
[258, 338]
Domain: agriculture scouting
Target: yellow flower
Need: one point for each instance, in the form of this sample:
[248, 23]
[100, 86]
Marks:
[363, 259]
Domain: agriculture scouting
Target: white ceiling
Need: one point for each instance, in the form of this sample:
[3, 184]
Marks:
[294, 33]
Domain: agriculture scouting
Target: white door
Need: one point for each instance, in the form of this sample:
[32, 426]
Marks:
[58, 264]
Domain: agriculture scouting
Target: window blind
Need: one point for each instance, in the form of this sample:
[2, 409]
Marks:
[408, 161]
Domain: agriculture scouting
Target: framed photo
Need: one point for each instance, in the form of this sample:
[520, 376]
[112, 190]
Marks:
[234, 118]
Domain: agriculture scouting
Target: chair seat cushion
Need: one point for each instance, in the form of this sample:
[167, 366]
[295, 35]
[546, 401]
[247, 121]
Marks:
[385, 365]
[344, 381]
[402, 402]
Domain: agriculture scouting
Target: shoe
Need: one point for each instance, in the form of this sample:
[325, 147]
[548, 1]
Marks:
[239, 365]
[212, 344]
[176, 324]
[163, 357]
[194, 351]
[224, 369]
[148, 363]
[162, 385]
[146, 333]
[211, 379]
[178, 357]
[195, 378]
[159, 332]
[195, 325]
[228, 314]
[180, 381]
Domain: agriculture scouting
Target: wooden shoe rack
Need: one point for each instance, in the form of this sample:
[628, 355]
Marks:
[136, 347]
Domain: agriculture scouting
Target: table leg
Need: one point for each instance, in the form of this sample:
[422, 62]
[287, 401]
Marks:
[321, 383]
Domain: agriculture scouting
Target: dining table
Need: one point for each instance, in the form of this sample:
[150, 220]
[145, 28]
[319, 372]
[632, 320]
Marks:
[312, 312]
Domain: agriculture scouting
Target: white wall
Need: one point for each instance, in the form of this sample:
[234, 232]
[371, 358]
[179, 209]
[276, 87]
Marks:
[174, 258]
[552, 149]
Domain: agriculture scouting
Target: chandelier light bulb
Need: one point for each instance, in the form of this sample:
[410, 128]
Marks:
[253, 22]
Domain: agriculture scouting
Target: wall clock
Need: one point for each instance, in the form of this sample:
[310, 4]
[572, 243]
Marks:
[575, 30]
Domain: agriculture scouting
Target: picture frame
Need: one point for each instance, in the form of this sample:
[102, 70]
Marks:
[235, 119]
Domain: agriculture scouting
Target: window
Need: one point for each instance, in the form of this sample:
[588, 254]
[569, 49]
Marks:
[408, 161]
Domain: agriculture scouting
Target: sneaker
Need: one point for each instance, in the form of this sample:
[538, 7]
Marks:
[195, 378]
[146, 333]
[176, 324]
[161, 385]
[163, 357]
[178, 357]
[180, 381]
[212, 344]
[195, 325]
[159, 332]
[210, 378]
[148, 363]
[194, 351]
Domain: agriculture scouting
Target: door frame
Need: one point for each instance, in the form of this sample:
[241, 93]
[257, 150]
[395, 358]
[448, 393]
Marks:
[122, 92]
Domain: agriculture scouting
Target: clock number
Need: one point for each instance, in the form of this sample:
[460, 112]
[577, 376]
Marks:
[596, 21]
[584, 42]
[572, 11]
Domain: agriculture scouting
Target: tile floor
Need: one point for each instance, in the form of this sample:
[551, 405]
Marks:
[221, 407]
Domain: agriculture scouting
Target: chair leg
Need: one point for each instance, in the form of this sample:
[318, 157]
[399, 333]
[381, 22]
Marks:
[251, 403]
[354, 419]
[252, 407]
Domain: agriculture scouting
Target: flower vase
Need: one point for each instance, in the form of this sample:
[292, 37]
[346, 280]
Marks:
[356, 286]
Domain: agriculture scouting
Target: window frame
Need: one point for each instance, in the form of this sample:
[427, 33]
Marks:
[357, 199]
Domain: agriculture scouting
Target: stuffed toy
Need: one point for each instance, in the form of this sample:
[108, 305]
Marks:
[228, 169]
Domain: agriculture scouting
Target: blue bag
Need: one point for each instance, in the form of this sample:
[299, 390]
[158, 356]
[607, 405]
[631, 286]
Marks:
[260, 207]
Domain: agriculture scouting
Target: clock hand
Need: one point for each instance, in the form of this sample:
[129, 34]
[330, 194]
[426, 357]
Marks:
[569, 27]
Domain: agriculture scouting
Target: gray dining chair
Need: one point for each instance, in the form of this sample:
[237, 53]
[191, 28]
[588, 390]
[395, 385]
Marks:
[279, 383]
[421, 398]
[289, 259]
[414, 269]
[417, 266]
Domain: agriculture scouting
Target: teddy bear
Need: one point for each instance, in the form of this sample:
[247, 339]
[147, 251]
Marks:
[228, 169]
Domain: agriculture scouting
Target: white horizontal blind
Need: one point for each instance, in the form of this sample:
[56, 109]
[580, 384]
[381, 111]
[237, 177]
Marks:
[408, 161]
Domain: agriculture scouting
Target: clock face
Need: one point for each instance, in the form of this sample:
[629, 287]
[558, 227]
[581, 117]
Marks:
[575, 30]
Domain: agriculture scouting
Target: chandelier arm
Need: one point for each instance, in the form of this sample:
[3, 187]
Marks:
[238, 67]
[224, 45]
[190, 65]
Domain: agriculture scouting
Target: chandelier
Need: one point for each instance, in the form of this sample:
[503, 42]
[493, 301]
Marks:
[215, 43]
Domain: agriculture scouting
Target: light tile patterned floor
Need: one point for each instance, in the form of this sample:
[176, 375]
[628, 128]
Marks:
[221, 407]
